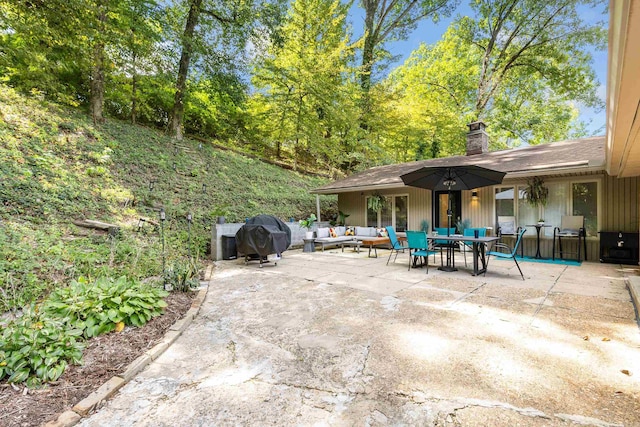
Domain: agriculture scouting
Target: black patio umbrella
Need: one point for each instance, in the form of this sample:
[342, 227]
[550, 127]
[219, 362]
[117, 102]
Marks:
[438, 178]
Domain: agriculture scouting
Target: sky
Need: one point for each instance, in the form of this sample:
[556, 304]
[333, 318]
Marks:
[428, 32]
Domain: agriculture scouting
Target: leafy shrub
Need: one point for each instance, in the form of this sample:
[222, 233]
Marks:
[98, 307]
[37, 347]
[182, 276]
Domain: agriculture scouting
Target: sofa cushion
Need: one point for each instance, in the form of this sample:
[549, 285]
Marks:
[381, 232]
[340, 230]
[332, 232]
[366, 231]
[350, 231]
[323, 232]
[334, 239]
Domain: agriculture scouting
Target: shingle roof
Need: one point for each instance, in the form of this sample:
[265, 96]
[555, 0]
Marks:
[573, 155]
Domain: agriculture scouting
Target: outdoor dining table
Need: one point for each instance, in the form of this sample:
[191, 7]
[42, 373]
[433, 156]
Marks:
[478, 248]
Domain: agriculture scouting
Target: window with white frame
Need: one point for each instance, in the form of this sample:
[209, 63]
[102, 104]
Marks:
[394, 212]
[565, 198]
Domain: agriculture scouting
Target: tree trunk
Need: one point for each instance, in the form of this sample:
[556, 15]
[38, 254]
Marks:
[134, 79]
[367, 60]
[177, 114]
[96, 103]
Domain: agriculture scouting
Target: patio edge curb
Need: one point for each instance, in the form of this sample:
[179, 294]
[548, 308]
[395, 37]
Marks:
[73, 416]
[633, 283]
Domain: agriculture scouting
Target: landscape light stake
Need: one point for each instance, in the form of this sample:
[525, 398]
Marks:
[151, 185]
[189, 220]
[175, 166]
[204, 188]
[164, 272]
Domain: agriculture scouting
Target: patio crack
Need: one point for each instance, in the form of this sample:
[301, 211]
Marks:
[449, 407]
[467, 295]
[546, 295]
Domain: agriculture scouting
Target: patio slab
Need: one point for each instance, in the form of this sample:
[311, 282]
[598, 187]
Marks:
[377, 345]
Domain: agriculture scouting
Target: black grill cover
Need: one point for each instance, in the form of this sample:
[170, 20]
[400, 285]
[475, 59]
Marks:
[263, 235]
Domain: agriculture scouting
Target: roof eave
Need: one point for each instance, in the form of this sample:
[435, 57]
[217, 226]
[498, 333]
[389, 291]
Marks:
[578, 167]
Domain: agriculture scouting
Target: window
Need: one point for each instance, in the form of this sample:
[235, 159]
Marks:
[394, 212]
[565, 198]
[585, 202]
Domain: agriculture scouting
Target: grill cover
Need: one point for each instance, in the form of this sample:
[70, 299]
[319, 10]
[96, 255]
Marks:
[263, 235]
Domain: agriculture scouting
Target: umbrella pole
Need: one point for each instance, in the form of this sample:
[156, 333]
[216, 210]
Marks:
[451, 264]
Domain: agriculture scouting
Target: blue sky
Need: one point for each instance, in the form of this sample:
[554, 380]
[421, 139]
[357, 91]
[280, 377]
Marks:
[428, 32]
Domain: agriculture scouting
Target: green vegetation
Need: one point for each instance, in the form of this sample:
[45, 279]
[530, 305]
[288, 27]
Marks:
[313, 84]
[58, 167]
[37, 346]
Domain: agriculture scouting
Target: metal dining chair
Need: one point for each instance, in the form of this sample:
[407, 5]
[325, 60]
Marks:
[418, 246]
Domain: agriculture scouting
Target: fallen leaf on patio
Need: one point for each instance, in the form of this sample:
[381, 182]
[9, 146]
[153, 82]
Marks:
[606, 339]
[626, 372]
[586, 337]
[119, 326]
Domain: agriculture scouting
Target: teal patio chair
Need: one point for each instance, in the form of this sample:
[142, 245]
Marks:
[418, 246]
[395, 243]
[445, 244]
[509, 254]
[482, 232]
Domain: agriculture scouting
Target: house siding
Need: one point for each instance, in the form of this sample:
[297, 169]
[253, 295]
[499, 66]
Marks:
[619, 208]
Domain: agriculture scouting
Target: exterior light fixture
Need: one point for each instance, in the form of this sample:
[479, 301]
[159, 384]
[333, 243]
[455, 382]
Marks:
[204, 188]
[474, 195]
[449, 182]
[151, 184]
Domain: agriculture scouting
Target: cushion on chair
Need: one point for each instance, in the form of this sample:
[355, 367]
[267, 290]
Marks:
[323, 232]
[569, 232]
[508, 227]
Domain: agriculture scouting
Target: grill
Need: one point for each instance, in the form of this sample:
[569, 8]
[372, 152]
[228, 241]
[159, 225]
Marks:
[261, 236]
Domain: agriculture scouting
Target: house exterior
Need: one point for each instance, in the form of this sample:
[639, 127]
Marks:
[595, 177]
[574, 171]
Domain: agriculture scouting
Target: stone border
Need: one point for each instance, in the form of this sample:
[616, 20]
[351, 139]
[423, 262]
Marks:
[105, 391]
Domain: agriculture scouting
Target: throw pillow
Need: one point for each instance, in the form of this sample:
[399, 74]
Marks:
[350, 231]
[381, 232]
[332, 232]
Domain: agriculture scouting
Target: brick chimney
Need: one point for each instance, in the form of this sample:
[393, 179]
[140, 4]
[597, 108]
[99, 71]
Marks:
[477, 139]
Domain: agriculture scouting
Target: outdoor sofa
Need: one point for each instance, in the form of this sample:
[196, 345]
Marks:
[335, 236]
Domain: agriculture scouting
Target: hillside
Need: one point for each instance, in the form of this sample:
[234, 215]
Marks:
[57, 166]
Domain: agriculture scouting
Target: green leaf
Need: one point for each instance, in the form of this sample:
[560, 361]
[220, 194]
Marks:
[19, 376]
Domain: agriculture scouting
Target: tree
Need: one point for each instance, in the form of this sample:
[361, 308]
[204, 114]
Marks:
[391, 20]
[210, 28]
[304, 91]
[513, 66]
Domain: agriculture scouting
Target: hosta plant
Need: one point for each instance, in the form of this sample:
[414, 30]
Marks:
[36, 348]
[105, 304]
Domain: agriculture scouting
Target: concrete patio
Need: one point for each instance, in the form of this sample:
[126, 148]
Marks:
[342, 339]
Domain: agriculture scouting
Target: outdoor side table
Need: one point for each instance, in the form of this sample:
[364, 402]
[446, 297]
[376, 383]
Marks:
[538, 228]
[309, 245]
